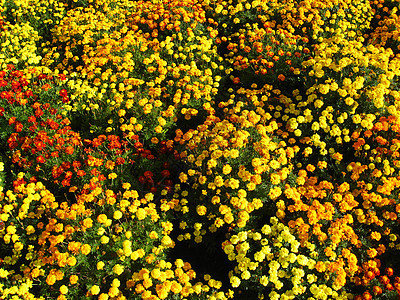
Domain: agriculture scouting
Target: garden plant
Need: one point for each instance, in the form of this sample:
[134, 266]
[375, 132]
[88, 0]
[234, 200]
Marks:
[200, 149]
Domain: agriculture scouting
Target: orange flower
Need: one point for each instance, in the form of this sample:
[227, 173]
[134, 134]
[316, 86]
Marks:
[69, 150]
[320, 266]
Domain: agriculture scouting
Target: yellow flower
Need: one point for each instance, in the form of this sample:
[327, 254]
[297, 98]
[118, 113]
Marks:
[102, 218]
[3, 273]
[113, 291]
[103, 296]
[73, 279]
[63, 289]
[141, 213]
[201, 210]
[117, 215]
[104, 239]
[324, 89]
[30, 230]
[226, 169]
[112, 176]
[153, 235]
[95, 290]
[118, 269]
[235, 281]
[100, 265]
[18, 246]
[375, 236]
[85, 249]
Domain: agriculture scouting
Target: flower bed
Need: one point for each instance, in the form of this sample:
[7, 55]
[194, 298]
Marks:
[165, 149]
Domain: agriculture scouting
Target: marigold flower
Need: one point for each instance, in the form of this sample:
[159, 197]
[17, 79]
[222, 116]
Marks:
[85, 249]
[118, 269]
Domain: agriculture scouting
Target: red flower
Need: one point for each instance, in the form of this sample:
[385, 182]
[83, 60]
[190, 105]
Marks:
[40, 159]
[120, 160]
[62, 77]
[63, 93]
[148, 174]
[12, 120]
[81, 173]
[19, 127]
[165, 173]
[29, 93]
[236, 80]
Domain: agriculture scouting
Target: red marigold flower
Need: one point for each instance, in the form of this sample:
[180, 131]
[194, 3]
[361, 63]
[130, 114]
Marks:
[148, 174]
[81, 173]
[40, 159]
[62, 77]
[63, 93]
[19, 127]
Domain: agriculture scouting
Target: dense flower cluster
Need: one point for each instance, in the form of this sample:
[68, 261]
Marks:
[164, 149]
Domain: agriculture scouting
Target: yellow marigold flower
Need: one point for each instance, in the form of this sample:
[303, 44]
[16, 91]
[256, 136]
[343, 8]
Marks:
[126, 185]
[100, 265]
[50, 279]
[63, 289]
[95, 290]
[141, 213]
[118, 269]
[155, 273]
[18, 246]
[103, 296]
[117, 215]
[235, 281]
[102, 218]
[113, 291]
[375, 236]
[226, 169]
[219, 181]
[104, 239]
[264, 280]
[183, 177]
[30, 230]
[4, 274]
[88, 222]
[201, 210]
[73, 279]
[176, 288]
[112, 176]
[35, 272]
[71, 261]
[153, 235]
